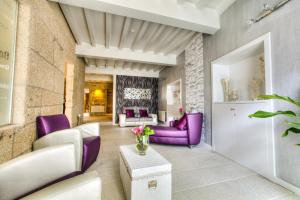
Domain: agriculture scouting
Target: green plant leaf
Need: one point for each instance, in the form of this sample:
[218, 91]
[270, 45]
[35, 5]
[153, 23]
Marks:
[148, 131]
[293, 124]
[294, 130]
[265, 114]
[298, 145]
[284, 98]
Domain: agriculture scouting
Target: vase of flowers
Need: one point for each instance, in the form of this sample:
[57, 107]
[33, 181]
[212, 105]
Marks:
[181, 112]
[142, 134]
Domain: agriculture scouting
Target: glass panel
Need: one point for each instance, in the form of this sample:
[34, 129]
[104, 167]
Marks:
[7, 56]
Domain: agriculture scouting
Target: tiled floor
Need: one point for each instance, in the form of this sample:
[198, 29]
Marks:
[197, 174]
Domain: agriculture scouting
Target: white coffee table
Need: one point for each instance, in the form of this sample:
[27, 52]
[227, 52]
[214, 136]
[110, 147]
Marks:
[145, 177]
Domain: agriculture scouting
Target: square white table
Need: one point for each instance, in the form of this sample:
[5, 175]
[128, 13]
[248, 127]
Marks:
[145, 177]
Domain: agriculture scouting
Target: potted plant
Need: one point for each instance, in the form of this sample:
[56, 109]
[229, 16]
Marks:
[142, 134]
[293, 118]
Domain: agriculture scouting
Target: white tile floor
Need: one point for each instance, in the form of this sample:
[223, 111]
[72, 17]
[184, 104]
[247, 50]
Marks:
[197, 174]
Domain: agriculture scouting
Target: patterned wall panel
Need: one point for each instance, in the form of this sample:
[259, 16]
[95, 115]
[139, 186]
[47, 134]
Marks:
[150, 84]
[137, 93]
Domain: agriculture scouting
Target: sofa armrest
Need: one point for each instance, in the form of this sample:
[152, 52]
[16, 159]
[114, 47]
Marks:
[32, 170]
[173, 123]
[154, 118]
[85, 186]
[89, 129]
[72, 136]
[122, 120]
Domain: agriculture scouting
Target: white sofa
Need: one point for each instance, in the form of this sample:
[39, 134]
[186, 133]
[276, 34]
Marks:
[74, 135]
[137, 120]
[30, 171]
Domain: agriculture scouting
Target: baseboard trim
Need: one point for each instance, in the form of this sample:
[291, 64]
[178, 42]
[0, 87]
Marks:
[287, 185]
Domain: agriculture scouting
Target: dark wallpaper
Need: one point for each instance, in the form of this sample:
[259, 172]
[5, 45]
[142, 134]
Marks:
[136, 82]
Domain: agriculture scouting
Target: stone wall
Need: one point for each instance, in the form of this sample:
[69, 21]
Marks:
[44, 46]
[194, 73]
[190, 70]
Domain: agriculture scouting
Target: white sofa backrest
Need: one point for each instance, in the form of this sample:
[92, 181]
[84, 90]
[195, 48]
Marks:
[32, 170]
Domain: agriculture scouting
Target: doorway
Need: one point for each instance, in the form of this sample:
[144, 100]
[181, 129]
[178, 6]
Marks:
[98, 98]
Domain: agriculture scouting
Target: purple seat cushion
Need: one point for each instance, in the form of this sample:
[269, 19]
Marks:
[162, 131]
[51, 123]
[143, 113]
[181, 125]
[73, 174]
[169, 140]
[91, 147]
[129, 113]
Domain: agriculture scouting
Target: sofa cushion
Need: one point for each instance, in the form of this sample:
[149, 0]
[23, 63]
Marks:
[143, 113]
[129, 113]
[181, 125]
[162, 131]
[146, 119]
[132, 119]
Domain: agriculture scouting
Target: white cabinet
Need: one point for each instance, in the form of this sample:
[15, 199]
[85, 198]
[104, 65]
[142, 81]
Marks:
[242, 139]
[247, 141]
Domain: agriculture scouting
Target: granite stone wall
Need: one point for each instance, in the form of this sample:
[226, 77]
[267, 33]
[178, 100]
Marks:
[44, 46]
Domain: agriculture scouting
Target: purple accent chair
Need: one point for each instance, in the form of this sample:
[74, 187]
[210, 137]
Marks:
[88, 137]
[191, 135]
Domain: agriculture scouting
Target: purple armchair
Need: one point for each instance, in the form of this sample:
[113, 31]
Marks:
[55, 130]
[190, 135]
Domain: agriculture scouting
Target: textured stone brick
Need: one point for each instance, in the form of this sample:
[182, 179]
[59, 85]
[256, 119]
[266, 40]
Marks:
[31, 114]
[59, 59]
[42, 40]
[34, 96]
[51, 110]
[23, 139]
[6, 144]
[50, 98]
[41, 73]
[59, 81]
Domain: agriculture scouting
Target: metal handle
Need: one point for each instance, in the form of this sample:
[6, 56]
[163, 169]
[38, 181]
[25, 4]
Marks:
[232, 109]
[152, 184]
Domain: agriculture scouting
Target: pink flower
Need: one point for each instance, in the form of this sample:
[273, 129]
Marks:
[180, 110]
[138, 130]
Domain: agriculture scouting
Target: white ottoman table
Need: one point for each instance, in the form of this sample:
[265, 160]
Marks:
[145, 177]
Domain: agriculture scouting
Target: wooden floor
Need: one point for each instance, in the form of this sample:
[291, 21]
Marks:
[197, 173]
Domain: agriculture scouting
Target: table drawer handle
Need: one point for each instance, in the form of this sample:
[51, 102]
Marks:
[152, 184]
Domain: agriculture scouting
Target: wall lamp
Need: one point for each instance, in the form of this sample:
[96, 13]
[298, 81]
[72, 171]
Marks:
[267, 10]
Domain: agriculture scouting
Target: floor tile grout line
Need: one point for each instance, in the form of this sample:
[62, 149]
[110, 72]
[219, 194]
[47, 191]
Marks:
[224, 181]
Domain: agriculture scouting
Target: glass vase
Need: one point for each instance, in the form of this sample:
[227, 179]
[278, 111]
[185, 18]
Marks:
[142, 143]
